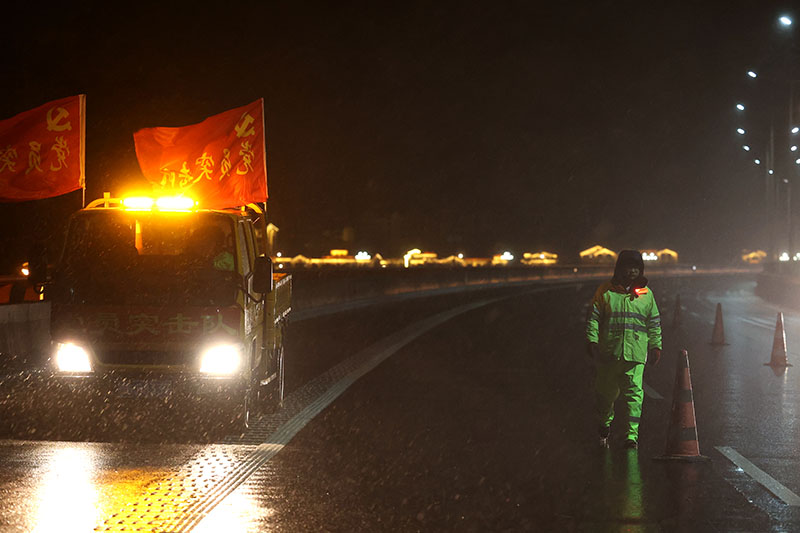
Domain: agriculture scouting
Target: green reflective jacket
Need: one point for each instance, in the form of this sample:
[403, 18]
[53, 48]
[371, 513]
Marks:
[624, 325]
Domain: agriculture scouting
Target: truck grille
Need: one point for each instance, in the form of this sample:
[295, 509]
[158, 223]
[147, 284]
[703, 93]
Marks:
[147, 358]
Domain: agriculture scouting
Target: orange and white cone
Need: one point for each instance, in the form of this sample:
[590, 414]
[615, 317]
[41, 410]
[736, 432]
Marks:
[778, 358]
[718, 336]
[682, 443]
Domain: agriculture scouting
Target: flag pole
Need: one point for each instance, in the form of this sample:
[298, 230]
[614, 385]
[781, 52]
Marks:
[83, 150]
[264, 151]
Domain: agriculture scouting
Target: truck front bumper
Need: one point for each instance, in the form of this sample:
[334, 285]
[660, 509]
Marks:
[96, 392]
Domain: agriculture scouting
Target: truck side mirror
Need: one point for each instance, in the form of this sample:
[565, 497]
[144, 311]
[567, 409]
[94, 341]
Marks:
[262, 275]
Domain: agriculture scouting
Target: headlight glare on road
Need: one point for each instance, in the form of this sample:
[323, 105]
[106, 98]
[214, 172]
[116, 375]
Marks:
[72, 358]
[221, 360]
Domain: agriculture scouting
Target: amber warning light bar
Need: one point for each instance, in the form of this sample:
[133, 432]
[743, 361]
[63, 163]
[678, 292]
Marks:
[163, 203]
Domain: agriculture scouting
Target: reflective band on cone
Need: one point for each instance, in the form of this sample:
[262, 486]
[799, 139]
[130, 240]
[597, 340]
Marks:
[682, 443]
[778, 357]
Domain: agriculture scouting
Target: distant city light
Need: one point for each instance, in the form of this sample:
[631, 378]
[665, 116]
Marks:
[797, 161]
[786, 21]
[740, 131]
[793, 148]
[752, 74]
[784, 257]
[771, 172]
[758, 161]
[408, 254]
[795, 129]
[507, 256]
[740, 107]
[649, 256]
[461, 256]
[279, 254]
[362, 256]
[746, 148]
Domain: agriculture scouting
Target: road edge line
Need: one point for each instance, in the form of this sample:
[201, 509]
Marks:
[762, 478]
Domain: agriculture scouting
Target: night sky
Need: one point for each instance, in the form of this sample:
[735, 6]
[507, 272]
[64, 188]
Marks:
[454, 127]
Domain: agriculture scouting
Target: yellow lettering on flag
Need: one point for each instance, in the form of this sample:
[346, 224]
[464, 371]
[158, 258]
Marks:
[62, 151]
[206, 164]
[247, 159]
[167, 178]
[8, 159]
[225, 164]
[34, 157]
[186, 176]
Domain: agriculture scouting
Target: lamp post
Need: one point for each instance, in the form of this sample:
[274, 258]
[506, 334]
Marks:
[777, 172]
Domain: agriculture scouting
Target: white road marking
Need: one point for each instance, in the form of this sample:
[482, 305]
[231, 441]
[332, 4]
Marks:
[369, 358]
[651, 392]
[758, 323]
[768, 482]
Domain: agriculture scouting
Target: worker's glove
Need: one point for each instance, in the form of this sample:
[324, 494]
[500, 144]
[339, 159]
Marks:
[593, 350]
[654, 356]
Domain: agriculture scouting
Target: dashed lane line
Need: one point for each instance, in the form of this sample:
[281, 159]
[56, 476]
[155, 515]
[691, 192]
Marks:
[768, 482]
[758, 323]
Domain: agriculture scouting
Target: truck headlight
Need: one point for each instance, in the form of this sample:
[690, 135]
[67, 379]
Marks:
[72, 358]
[221, 359]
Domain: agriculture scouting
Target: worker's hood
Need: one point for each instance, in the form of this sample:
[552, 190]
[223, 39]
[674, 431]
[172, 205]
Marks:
[626, 259]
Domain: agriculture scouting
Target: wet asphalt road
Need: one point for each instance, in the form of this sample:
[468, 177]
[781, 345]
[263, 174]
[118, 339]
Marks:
[477, 416]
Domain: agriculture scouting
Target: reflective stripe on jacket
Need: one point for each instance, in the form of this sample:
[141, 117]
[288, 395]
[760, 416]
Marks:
[624, 328]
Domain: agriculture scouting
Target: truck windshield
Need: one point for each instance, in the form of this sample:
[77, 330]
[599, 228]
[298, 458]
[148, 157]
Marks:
[132, 258]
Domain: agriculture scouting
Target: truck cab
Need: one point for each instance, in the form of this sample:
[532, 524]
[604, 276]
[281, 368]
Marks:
[158, 298]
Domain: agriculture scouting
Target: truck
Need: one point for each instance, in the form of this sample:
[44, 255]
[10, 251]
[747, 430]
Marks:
[160, 299]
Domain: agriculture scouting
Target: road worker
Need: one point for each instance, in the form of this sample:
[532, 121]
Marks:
[623, 331]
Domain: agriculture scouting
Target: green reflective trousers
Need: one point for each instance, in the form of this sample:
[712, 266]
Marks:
[615, 377]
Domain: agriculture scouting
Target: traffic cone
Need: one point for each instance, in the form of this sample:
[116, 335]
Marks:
[718, 337]
[676, 316]
[778, 358]
[682, 444]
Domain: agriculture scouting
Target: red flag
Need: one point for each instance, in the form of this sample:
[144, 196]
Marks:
[42, 151]
[220, 162]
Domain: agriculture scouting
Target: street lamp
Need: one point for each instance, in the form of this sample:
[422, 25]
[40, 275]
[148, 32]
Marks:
[778, 69]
